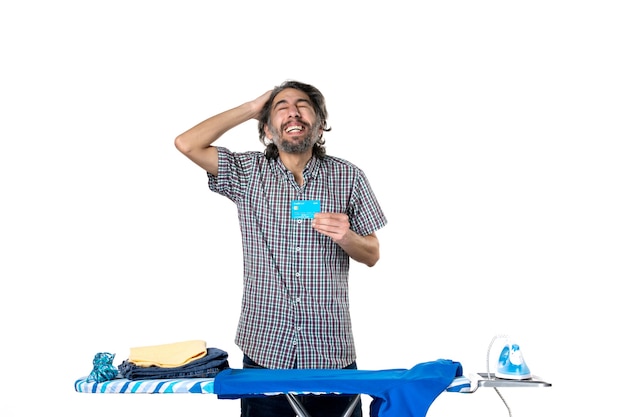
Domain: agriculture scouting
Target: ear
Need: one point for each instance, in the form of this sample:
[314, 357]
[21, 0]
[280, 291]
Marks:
[268, 134]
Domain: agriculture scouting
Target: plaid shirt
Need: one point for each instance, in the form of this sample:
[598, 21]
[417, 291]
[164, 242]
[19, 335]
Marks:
[295, 307]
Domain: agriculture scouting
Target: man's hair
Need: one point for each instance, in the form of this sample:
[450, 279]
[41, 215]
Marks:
[319, 105]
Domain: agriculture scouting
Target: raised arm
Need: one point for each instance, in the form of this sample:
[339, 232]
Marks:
[197, 142]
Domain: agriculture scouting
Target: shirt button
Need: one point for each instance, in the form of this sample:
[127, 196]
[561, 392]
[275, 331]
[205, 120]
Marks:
[299, 221]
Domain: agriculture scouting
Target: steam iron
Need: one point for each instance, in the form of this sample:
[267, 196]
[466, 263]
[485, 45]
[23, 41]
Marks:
[511, 364]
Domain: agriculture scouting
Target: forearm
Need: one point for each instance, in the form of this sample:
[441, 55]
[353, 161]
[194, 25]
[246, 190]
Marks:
[202, 135]
[196, 143]
[363, 249]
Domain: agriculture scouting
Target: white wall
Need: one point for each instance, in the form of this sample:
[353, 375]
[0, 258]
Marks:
[491, 132]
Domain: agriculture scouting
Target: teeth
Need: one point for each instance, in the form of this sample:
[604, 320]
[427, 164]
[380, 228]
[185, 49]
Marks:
[294, 128]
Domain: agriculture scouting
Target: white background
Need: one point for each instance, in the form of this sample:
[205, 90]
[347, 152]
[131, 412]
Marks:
[492, 133]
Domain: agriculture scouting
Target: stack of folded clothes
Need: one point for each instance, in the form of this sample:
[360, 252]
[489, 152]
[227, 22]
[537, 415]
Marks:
[190, 359]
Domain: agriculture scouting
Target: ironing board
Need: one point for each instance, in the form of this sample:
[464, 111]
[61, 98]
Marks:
[195, 386]
[392, 390]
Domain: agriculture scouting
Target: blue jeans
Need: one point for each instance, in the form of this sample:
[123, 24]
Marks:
[330, 405]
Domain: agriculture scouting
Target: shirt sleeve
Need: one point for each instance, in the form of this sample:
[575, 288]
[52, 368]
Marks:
[366, 215]
[233, 173]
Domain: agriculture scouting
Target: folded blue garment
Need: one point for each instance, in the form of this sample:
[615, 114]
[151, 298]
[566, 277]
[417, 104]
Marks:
[207, 366]
[394, 392]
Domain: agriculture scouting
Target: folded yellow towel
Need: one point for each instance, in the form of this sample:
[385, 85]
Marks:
[169, 355]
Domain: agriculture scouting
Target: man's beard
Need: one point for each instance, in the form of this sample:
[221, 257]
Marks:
[303, 145]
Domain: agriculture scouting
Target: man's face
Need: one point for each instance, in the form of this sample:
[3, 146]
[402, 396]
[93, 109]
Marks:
[293, 124]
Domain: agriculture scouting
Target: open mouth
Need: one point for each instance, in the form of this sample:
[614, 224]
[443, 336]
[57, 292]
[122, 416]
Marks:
[294, 128]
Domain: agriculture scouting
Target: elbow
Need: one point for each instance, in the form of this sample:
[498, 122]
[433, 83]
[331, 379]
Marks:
[181, 144]
[372, 261]
[372, 257]
[372, 253]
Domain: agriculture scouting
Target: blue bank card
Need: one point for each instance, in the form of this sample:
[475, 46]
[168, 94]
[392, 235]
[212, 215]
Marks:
[304, 209]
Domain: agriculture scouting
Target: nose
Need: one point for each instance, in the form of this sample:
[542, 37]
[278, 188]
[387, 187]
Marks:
[293, 111]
